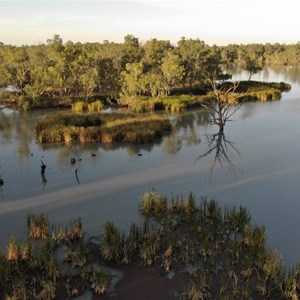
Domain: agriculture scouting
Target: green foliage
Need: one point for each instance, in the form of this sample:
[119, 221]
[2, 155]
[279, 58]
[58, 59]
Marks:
[79, 106]
[251, 65]
[153, 204]
[95, 106]
[58, 71]
[113, 243]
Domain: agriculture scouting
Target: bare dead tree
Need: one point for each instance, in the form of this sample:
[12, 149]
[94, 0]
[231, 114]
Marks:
[224, 103]
[224, 150]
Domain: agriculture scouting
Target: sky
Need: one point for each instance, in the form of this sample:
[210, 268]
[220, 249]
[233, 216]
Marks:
[219, 22]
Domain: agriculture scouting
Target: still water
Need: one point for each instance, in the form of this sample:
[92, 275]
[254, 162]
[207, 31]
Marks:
[259, 168]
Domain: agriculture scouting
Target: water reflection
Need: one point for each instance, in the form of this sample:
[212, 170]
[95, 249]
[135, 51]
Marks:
[17, 128]
[289, 74]
[1, 183]
[223, 152]
[185, 132]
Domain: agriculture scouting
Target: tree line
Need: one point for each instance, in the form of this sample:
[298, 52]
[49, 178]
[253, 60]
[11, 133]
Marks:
[82, 71]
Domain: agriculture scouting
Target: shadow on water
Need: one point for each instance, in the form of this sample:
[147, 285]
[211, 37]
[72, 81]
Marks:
[223, 152]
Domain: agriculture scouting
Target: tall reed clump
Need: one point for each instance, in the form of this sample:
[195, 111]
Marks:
[113, 243]
[26, 273]
[152, 204]
[37, 226]
[96, 279]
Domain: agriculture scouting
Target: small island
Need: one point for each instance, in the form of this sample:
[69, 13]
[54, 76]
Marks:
[104, 128]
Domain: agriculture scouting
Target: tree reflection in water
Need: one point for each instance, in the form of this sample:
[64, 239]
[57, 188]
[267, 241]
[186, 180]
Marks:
[223, 152]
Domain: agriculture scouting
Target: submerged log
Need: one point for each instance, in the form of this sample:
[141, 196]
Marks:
[43, 168]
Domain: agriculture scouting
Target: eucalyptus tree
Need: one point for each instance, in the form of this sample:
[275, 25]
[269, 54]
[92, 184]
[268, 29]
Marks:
[15, 68]
[192, 53]
[132, 51]
[55, 54]
[154, 84]
[41, 81]
[85, 70]
[229, 54]
[154, 53]
[132, 79]
[108, 82]
[251, 65]
[172, 70]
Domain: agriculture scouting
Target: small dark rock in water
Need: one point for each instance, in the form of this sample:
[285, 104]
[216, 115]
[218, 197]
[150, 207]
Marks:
[80, 159]
[93, 154]
[140, 154]
[1, 181]
[73, 160]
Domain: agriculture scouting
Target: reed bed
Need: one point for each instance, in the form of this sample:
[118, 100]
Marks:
[222, 254]
[104, 128]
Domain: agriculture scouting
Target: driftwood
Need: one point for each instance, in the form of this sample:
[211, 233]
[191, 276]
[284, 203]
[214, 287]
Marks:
[43, 168]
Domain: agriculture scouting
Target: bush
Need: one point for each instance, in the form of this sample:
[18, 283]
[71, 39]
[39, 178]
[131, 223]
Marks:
[95, 106]
[79, 106]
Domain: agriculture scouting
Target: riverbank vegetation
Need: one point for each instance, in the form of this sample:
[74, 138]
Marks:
[104, 128]
[58, 74]
[220, 253]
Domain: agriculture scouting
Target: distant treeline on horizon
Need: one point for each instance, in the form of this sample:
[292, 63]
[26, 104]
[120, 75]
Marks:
[60, 69]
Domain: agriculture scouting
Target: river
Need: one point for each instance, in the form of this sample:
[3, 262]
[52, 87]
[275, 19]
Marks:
[261, 169]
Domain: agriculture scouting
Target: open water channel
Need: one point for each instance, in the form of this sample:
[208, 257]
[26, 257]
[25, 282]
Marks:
[260, 170]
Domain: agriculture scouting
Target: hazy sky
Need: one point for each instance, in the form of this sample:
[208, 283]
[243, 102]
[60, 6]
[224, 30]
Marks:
[215, 22]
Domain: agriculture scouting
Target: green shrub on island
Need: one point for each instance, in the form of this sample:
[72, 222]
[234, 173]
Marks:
[105, 128]
[174, 103]
[80, 106]
[255, 91]
[262, 91]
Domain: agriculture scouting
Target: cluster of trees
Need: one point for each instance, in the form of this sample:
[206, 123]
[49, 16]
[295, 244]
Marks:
[279, 54]
[58, 70]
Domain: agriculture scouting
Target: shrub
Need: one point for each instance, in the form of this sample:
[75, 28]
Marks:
[79, 106]
[95, 106]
